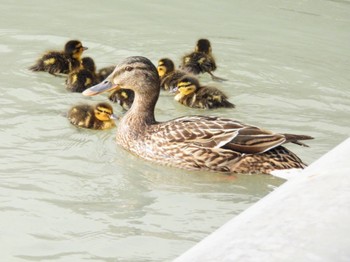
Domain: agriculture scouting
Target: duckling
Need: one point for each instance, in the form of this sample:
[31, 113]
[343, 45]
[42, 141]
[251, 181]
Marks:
[84, 77]
[99, 116]
[201, 60]
[124, 97]
[104, 72]
[198, 142]
[192, 94]
[61, 62]
[169, 77]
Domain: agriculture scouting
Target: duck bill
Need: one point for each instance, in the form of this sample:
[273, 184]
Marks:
[174, 90]
[113, 117]
[104, 86]
[85, 48]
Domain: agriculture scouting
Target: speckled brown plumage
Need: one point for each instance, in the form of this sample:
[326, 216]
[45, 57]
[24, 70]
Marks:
[192, 142]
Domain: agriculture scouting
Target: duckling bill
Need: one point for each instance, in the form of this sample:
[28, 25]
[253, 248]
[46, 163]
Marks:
[99, 116]
[61, 62]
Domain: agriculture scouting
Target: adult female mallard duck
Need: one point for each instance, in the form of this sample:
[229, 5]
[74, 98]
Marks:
[200, 60]
[192, 142]
[191, 93]
[84, 77]
[99, 116]
[169, 76]
[56, 62]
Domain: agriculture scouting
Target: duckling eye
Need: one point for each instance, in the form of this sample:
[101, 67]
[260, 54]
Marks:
[129, 68]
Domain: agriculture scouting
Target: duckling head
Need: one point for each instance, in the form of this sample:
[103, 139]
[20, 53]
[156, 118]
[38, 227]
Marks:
[74, 48]
[165, 66]
[203, 46]
[104, 112]
[136, 73]
[88, 63]
[187, 85]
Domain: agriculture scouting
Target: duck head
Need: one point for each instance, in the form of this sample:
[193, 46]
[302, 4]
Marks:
[88, 64]
[74, 48]
[136, 73]
[203, 46]
[104, 112]
[165, 66]
[187, 85]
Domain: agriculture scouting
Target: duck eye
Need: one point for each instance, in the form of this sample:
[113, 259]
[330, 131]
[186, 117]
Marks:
[129, 68]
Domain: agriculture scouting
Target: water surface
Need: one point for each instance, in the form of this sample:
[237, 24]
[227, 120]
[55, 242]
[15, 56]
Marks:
[70, 194]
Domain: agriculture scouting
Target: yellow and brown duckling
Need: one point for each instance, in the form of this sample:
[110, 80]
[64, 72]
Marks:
[124, 97]
[169, 76]
[198, 142]
[84, 77]
[191, 93]
[61, 62]
[200, 60]
[104, 72]
[99, 116]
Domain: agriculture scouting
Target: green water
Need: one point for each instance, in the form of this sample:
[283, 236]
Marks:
[72, 195]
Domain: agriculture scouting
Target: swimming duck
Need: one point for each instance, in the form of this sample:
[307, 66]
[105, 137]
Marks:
[169, 76]
[191, 93]
[124, 97]
[84, 77]
[104, 72]
[56, 62]
[201, 60]
[192, 142]
[99, 116]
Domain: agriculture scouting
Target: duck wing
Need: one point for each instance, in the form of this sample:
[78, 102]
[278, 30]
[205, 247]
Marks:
[203, 131]
[217, 132]
[254, 140]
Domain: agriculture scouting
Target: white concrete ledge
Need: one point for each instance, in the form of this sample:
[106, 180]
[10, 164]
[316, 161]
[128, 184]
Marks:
[305, 219]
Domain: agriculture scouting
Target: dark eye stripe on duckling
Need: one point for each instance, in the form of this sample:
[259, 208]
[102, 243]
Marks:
[185, 84]
[102, 110]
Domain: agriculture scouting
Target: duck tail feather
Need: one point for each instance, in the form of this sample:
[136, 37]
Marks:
[295, 139]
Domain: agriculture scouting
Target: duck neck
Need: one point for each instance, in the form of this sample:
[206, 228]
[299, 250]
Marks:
[141, 112]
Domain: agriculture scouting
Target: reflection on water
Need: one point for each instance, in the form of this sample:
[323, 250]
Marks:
[70, 194]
